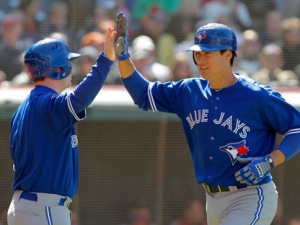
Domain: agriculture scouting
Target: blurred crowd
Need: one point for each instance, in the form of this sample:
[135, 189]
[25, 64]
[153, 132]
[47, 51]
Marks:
[268, 34]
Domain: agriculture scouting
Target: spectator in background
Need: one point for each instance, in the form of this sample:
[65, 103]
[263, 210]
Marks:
[11, 46]
[125, 6]
[228, 19]
[290, 42]
[58, 20]
[59, 35]
[96, 40]
[93, 38]
[292, 8]
[258, 10]
[192, 213]
[191, 7]
[84, 63]
[22, 78]
[248, 52]
[142, 8]
[239, 12]
[153, 24]
[103, 10]
[181, 68]
[34, 19]
[7, 6]
[143, 55]
[178, 35]
[105, 23]
[271, 31]
[272, 72]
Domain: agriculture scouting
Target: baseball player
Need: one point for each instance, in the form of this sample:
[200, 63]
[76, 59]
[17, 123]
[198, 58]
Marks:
[230, 123]
[44, 145]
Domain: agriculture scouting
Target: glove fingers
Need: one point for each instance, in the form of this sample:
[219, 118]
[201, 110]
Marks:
[121, 25]
[122, 37]
[243, 174]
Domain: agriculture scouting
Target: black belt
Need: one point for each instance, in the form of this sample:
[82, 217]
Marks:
[33, 197]
[217, 189]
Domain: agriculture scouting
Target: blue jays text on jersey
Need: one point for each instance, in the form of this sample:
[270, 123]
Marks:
[236, 126]
[221, 124]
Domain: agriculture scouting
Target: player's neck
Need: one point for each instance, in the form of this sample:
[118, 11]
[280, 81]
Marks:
[56, 85]
[224, 83]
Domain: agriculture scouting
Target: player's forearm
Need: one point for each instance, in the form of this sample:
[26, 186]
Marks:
[126, 68]
[88, 89]
[137, 87]
[277, 156]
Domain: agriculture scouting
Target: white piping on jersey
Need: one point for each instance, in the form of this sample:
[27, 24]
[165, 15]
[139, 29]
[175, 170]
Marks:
[260, 205]
[292, 131]
[72, 109]
[150, 96]
[48, 215]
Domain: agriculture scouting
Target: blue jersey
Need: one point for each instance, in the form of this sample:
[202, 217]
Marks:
[219, 125]
[44, 144]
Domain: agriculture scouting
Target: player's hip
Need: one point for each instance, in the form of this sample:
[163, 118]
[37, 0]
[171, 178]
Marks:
[38, 208]
[251, 205]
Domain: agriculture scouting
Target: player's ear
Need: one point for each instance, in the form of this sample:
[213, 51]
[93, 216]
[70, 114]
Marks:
[228, 54]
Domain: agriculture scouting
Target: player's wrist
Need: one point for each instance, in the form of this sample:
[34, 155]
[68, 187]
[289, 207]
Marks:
[270, 161]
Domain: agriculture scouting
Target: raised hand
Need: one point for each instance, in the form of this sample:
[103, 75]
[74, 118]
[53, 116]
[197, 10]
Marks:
[109, 45]
[122, 39]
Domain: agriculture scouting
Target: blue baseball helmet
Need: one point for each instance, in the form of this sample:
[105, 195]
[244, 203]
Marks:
[44, 57]
[214, 37]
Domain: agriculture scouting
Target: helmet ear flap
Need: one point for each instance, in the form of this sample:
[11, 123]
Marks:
[194, 57]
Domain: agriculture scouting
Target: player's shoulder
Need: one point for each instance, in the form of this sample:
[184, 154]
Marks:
[195, 81]
[257, 88]
[45, 95]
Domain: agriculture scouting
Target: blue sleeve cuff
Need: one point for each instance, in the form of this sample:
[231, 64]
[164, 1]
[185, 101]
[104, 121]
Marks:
[103, 58]
[290, 145]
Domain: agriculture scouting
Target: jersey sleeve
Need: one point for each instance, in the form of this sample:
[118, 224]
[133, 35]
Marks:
[85, 92]
[155, 96]
[285, 119]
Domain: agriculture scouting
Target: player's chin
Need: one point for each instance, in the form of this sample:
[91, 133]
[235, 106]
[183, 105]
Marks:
[204, 74]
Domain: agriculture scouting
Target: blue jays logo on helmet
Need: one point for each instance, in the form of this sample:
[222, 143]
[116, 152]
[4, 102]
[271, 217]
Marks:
[214, 37]
[199, 37]
[43, 59]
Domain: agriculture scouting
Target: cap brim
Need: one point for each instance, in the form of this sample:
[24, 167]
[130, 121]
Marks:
[206, 48]
[73, 55]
